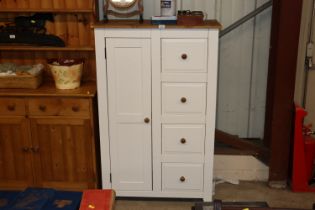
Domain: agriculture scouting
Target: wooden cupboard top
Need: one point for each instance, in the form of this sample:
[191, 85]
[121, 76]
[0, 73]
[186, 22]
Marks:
[51, 10]
[208, 24]
[87, 89]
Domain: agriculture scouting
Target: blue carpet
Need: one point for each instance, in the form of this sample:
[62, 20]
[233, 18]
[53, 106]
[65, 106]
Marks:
[40, 199]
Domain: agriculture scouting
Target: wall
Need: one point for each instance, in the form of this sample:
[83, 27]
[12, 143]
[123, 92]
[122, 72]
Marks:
[305, 81]
[243, 63]
[243, 70]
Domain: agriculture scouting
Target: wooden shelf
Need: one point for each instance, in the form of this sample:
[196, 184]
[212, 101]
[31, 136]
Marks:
[13, 10]
[72, 23]
[44, 48]
[87, 89]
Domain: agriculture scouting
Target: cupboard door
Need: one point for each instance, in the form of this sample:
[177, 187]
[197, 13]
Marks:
[129, 96]
[15, 153]
[63, 154]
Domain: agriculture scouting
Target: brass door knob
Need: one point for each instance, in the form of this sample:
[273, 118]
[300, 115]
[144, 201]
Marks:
[182, 179]
[183, 100]
[184, 56]
[183, 141]
[11, 107]
[146, 120]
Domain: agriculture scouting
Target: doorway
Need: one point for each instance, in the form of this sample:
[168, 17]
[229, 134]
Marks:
[305, 77]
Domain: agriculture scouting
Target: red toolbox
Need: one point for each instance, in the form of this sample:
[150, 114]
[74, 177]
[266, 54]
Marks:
[97, 200]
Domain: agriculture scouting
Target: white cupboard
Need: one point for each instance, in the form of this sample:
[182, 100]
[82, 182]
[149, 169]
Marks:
[157, 101]
[129, 104]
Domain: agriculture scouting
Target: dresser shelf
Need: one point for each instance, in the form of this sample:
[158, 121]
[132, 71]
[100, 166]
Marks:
[40, 48]
[51, 134]
[48, 10]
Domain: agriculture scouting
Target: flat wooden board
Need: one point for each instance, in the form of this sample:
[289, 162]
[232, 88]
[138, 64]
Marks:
[87, 89]
[213, 24]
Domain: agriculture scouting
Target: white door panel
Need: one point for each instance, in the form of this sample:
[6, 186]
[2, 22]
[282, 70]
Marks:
[129, 93]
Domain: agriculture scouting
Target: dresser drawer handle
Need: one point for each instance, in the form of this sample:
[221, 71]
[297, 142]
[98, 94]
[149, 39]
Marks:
[26, 149]
[75, 108]
[11, 108]
[35, 149]
[183, 100]
[182, 179]
[183, 141]
[184, 56]
[42, 108]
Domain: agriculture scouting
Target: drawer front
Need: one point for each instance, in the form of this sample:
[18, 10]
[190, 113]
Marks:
[184, 98]
[59, 107]
[181, 176]
[188, 139]
[12, 106]
[184, 55]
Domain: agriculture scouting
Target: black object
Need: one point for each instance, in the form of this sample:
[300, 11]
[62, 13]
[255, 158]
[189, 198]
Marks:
[35, 22]
[31, 39]
[188, 12]
[30, 30]
[217, 205]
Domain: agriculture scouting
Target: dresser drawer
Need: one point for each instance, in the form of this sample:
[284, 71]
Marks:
[184, 55]
[59, 107]
[179, 139]
[12, 106]
[183, 98]
[181, 176]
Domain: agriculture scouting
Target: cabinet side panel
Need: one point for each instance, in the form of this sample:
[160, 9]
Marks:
[211, 113]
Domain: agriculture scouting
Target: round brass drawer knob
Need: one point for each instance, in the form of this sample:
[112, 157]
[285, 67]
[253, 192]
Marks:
[183, 141]
[146, 120]
[42, 108]
[26, 149]
[35, 149]
[184, 56]
[182, 178]
[11, 107]
[75, 108]
[183, 100]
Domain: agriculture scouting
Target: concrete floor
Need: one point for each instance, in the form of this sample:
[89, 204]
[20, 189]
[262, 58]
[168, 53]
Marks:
[245, 191]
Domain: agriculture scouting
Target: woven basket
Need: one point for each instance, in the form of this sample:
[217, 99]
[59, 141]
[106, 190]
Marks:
[20, 76]
[21, 81]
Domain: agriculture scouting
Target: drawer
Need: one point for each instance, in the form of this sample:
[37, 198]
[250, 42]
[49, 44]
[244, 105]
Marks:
[59, 107]
[181, 176]
[183, 98]
[188, 139]
[184, 55]
[12, 106]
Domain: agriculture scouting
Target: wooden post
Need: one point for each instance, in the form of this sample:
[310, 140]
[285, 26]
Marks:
[281, 83]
